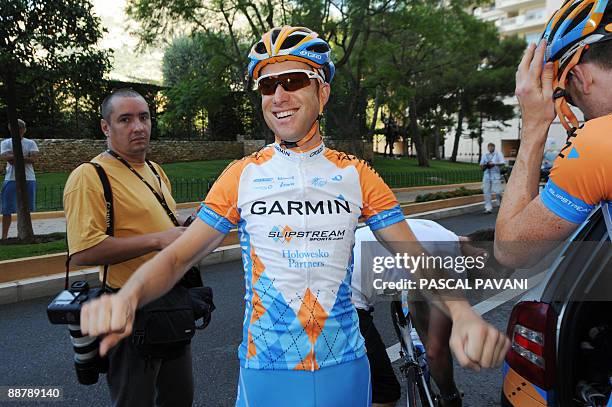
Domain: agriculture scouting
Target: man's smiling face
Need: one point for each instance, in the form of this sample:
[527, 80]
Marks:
[290, 115]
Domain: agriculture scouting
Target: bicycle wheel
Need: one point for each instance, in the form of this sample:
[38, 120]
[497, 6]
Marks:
[416, 392]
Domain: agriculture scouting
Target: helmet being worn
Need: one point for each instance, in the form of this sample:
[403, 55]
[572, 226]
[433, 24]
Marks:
[293, 44]
[569, 33]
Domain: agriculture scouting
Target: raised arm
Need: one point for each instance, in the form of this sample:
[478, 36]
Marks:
[522, 216]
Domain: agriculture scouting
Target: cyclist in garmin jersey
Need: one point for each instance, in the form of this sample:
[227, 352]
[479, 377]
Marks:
[296, 204]
[577, 52]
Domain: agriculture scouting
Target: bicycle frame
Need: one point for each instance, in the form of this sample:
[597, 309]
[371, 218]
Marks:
[415, 376]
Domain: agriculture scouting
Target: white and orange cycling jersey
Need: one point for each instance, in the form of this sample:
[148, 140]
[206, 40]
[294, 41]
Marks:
[296, 214]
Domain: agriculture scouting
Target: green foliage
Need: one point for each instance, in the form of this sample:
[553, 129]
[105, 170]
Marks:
[48, 48]
[46, 37]
[198, 76]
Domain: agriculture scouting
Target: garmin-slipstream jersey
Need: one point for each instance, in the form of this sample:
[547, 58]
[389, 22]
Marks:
[296, 214]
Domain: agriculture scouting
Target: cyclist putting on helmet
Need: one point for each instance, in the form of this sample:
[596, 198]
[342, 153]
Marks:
[577, 52]
[296, 205]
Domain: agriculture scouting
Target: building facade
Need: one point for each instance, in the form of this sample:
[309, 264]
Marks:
[526, 19]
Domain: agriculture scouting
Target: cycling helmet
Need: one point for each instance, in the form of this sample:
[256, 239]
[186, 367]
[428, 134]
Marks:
[292, 44]
[288, 43]
[569, 32]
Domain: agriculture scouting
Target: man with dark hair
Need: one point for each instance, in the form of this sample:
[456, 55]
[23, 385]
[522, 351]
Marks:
[141, 228]
[577, 51]
[9, 188]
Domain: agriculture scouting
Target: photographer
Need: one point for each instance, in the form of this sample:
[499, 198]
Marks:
[141, 228]
[491, 164]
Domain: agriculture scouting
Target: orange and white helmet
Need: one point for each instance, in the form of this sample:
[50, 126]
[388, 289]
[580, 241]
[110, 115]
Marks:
[288, 43]
[569, 33]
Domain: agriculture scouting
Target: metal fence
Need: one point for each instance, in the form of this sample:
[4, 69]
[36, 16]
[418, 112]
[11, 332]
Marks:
[49, 197]
[416, 179]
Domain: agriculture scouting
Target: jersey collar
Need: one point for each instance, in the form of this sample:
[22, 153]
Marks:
[297, 154]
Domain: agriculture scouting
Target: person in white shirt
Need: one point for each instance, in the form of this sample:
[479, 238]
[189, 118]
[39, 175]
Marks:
[9, 191]
[433, 326]
[491, 164]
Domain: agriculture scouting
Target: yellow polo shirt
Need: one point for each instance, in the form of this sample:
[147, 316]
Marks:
[136, 210]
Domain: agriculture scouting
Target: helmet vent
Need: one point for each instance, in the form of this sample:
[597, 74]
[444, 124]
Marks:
[561, 20]
[292, 41]
[320, 48]
[275, 35]
[579, 18]
[260, 48]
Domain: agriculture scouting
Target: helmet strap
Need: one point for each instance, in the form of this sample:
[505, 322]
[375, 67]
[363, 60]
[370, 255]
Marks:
[566, 116]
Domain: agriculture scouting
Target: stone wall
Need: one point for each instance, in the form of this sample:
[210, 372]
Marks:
[64, 155]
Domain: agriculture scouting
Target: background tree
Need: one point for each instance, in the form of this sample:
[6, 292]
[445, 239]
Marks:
[39, 34]
[480, 94]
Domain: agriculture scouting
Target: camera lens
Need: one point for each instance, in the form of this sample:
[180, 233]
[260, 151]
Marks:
[86, 358]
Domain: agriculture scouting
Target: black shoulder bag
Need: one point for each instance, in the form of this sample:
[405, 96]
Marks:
[168, 323]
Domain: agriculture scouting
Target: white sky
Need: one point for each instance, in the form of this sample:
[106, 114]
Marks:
[128, 64]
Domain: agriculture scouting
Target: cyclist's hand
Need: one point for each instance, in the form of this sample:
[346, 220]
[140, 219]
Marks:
[109, 315]
[475, 343]
[534, 88]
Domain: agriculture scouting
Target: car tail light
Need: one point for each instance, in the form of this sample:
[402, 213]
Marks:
[532, 331]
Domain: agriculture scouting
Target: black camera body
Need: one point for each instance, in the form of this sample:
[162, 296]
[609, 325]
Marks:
[65, 309]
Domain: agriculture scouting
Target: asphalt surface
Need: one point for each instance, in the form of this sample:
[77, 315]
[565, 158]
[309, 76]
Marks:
[35, 353]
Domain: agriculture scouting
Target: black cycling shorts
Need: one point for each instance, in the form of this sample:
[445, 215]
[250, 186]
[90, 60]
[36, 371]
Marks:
[385, 387]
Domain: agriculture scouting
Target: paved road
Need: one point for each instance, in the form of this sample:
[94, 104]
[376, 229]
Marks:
[34, 353]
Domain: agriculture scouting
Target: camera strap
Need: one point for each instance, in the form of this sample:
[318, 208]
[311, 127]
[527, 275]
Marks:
[160, 198]
[110, 217]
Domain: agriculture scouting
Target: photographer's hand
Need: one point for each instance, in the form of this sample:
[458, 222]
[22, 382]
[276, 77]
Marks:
[111, 316]
[165, 238]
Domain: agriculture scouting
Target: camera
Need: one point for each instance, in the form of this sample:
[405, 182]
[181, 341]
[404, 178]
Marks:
[65, 309]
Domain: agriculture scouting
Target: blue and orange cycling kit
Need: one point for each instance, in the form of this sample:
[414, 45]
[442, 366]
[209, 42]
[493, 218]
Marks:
[581, 177]
[296, 214]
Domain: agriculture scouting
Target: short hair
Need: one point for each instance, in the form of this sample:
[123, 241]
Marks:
[491, 144]
[106, 108]
[600, 54]
[20, 123]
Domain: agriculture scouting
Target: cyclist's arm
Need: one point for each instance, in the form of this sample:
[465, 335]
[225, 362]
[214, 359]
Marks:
[474, 342]
[157, 276]
[113, 315]
[523, 218]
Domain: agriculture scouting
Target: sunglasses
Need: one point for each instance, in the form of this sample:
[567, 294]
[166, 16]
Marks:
[291, 80]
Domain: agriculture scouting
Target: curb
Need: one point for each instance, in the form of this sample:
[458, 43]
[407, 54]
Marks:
[30, 288]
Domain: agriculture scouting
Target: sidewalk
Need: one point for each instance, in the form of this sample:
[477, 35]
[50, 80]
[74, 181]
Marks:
[404, 195]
